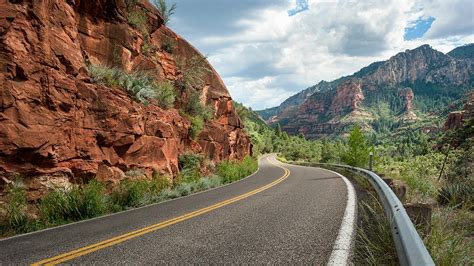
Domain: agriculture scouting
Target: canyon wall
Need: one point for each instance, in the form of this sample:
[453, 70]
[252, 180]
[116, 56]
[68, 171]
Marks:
[58, 126]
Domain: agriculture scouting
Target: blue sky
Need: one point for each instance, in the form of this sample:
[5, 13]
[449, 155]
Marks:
[268, 50]
[418, 29]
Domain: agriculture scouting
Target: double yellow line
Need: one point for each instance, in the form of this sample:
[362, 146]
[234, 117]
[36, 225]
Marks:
[122, 238]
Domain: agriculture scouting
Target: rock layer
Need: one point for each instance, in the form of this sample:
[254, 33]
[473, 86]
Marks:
[54, 119]
[380, 89]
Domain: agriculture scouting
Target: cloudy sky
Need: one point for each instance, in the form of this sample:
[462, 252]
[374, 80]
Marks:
[267, 50]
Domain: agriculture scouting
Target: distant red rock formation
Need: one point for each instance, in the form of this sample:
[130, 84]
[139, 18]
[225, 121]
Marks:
[457, 118]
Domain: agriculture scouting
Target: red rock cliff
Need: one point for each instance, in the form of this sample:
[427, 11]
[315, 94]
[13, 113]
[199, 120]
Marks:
[54, 119]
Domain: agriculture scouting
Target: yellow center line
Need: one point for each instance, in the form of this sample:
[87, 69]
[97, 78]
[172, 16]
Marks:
[124, 237]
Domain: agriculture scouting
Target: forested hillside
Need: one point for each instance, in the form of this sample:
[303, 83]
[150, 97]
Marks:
[416, 88]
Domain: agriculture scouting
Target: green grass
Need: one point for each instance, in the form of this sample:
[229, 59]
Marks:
[62, 206]
[233, 171]
[78, 203]
[138, 19]
[16, 209]
[450, 239]
[374, 243]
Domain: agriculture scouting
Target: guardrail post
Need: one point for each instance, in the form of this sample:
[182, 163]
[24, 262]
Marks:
[371, 161]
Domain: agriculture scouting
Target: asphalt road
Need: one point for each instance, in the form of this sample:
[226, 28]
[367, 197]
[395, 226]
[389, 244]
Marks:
[287, 214]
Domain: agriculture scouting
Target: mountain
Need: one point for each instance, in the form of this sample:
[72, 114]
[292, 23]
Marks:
[415, 86]
[60, 124]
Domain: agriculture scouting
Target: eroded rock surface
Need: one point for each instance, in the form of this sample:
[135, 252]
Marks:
[54, 119]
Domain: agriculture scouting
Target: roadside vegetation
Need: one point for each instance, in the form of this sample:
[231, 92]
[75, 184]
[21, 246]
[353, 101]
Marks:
[61, 206]
[142, 87]
[436, 169]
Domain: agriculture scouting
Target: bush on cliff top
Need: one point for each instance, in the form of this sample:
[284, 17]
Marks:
[165, 11]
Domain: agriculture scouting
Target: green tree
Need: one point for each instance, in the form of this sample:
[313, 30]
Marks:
[358, 150]
[165, 12]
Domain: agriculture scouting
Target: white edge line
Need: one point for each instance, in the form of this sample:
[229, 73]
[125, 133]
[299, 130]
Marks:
[342, 249]
[137, 208]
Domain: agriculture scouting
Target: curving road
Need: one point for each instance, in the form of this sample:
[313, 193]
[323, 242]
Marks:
[281, 214]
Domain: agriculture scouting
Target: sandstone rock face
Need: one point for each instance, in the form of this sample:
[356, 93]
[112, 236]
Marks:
[54, 119]
[407, 95]
[348, 97]
[329, 108]
[422, 64]
[457, 118]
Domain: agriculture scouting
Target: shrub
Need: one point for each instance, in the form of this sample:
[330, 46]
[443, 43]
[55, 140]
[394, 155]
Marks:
[139, 192]
[16, 208]
[148, 48]
[457, 194]
[104, 75]
[193, 71]
[137, 18]
[159, 182]
[165, 11]
[190, 160]
[131, 192]
[140, 86]
[188, 175]
[165, 94]
[233, 171]
[76, 204]
[197, 125]
[168, 45]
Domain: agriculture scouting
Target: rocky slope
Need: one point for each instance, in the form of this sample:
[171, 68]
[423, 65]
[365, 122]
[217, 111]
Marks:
[57, 126]
[457, 118]
[411, 86]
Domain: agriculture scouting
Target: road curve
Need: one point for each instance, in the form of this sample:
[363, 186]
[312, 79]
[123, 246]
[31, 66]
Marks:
[281, 214]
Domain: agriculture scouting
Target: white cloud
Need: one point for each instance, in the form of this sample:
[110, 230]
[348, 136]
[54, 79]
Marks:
[262, 52]
[257, 92]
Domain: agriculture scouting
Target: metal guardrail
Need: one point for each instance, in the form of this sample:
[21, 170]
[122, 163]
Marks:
[410, 247]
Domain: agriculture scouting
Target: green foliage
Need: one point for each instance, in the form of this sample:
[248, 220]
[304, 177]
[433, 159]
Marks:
[193, 72]
[197, 125]
[140, 86]
[165, 11]
[138, 192]
[165, 94]
[233, 171]
[358, 151]
[76, 204]
[131, 192]
[16, 208]
[168, 45]
[104, 75]
[190, 160]
[138, 19]
[457, 194]
[374, 244]
[197, 114]
[194, 105]
[447, 241]
[148, 48]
